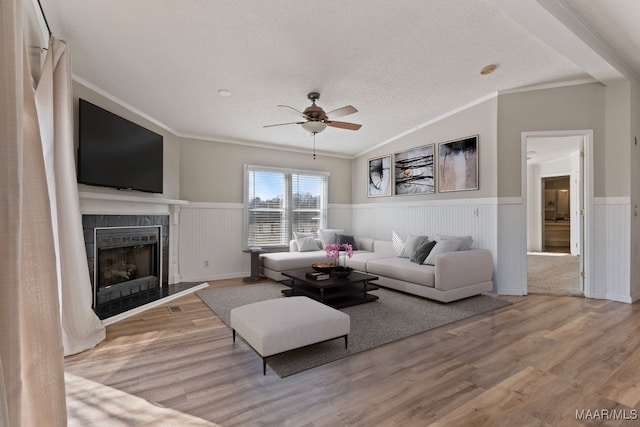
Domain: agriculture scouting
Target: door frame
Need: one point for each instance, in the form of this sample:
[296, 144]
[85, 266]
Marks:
[587, 190]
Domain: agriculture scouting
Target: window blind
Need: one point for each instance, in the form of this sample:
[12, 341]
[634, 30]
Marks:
[279, 202]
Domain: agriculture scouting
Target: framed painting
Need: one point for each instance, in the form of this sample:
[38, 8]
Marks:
[379, 177]
[458, 165]
[414, 171]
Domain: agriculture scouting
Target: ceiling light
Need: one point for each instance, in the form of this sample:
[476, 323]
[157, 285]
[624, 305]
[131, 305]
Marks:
[224, 92]
[488, 69]
[314, 126]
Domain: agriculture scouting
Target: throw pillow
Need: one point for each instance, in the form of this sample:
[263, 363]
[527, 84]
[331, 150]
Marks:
[328, 235]
[397, 243]
[410, 245]
[467, 241]
[306, 244]
[422, 252]
[441, 247]
[298, 235]
[342, 239]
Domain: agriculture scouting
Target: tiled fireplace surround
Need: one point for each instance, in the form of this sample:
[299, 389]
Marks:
[125, 223]
[124, 211]
[90, 222]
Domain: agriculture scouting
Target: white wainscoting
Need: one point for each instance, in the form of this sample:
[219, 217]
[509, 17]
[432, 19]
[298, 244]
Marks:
[475, 217]
[612, 248]
[512, 246]
[213, 232]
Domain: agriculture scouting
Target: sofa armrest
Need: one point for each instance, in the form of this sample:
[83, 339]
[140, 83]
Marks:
[463, 268]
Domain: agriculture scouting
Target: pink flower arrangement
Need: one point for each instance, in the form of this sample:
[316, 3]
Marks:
[333, 252]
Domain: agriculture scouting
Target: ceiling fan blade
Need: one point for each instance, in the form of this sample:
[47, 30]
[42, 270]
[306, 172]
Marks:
[300, 113]
[343, 125]
[283, 124]
[344, 111]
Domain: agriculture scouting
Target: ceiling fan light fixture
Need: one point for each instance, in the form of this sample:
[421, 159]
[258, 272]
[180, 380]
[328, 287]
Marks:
[314, 126]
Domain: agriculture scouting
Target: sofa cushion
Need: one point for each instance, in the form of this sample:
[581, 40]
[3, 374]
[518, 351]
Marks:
[403, 269]
[411, 244]
[306, 244]
[328, 235]
[360, 259]
[384, 247]
[466, 241]
[422, 252]
[281, 261]
[441, 247]
[364, 243]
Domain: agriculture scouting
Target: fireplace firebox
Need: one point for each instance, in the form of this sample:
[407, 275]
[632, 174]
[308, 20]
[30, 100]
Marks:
[127, 263]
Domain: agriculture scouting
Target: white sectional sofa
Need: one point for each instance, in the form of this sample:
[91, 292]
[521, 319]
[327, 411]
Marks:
[453, 275]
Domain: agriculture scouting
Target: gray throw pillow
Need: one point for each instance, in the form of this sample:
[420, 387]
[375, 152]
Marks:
[346, 239]
[441, 247]
[465, 245]
[422, 252]
[410, 245]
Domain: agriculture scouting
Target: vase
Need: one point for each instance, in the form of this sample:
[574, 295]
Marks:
[341, 274]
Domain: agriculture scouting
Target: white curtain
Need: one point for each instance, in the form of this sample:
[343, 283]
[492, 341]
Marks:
[45, 295]
[81, 328]
[31, 351]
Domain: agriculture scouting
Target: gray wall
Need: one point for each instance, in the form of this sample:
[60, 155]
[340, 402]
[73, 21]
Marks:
[213, 171]
[171, 152]
[479, 119]
[568, 108]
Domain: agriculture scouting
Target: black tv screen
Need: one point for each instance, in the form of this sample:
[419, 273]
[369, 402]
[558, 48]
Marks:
[114, 152]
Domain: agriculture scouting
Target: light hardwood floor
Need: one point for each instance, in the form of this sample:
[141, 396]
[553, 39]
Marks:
[533, 363]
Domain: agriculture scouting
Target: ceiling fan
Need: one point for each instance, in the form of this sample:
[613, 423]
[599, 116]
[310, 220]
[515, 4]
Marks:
[317, 120]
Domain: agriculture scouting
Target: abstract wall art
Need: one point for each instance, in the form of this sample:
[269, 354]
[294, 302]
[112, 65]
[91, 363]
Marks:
[458, 165]
[379, 178]
[414, 171]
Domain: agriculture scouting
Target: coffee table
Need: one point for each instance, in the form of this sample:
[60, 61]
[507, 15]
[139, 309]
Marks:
[334, 292]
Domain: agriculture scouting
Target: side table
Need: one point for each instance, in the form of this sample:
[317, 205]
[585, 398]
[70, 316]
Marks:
[255, 265]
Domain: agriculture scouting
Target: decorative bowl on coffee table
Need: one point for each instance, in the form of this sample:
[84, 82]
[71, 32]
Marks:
[323, 267]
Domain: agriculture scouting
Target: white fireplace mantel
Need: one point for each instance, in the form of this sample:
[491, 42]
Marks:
[121, 204]
[124, 204]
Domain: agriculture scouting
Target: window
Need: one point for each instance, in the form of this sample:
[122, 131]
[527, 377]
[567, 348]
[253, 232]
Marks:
[280, 201]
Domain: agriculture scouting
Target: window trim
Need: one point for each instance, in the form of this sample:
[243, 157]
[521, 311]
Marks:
[288, 208]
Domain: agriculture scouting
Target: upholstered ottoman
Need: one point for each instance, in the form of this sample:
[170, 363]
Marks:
[282, 324]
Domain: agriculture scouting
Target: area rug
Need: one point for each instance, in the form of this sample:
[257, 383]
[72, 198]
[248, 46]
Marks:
[394, 316]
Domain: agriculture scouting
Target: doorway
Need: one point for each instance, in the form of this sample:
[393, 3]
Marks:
[554, 190]
[556, 214]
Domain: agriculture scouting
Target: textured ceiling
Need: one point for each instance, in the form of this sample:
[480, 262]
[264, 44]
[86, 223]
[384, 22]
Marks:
[400, 63]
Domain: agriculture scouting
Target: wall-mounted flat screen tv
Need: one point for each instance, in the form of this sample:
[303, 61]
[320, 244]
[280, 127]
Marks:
[114, 152]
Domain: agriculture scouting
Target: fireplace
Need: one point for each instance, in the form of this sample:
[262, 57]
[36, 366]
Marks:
[128, 259]
[127, 262]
